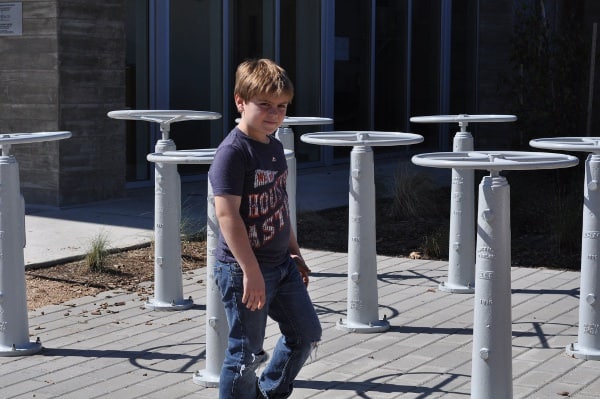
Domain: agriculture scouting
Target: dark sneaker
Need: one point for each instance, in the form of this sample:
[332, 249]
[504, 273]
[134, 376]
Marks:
[261, 357]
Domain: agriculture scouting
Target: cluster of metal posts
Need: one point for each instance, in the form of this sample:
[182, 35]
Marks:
[168, 278]
[491, 366]
[461, 253]
[362, 298]
[14, 325]
[588, 335]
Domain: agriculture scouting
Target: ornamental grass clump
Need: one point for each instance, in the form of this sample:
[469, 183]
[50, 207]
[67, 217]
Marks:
[97, 253]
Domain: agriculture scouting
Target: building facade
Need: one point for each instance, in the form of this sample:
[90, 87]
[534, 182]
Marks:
[368, 64]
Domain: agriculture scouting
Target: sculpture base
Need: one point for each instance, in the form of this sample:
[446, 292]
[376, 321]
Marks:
[154, 304]
[206, 379]
[581, 353]
[372, 327]
[456, 289]
[33, 347]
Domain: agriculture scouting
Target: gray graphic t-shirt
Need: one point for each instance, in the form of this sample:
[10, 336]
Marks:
[257, 172]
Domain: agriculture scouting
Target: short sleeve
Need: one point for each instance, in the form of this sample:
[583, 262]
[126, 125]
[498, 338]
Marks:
[227, 172]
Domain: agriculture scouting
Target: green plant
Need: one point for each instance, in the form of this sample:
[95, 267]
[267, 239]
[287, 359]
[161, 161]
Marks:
[190, 227]
[97, 253]
[435, 244]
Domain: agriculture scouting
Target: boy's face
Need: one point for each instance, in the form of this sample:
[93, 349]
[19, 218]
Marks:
[261, 115]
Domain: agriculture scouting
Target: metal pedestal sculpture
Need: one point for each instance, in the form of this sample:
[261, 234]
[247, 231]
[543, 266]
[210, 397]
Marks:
[168, 284]
[362, 302]
[588, 336]
[14, 325]
[491, 375]
[216, 321]
[461, 253]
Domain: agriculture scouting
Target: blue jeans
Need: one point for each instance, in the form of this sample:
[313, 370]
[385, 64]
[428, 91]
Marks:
[289, 305]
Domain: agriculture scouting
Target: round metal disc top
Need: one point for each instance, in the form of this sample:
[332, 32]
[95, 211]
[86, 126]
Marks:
[22, 138]
[463, 118]
[584, 144]
[305, 120]
[161, 116]
[203, 156]
[495, 160]
[361, 138]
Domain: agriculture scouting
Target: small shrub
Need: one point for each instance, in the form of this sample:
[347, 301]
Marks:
[97, 254]
[435, 244]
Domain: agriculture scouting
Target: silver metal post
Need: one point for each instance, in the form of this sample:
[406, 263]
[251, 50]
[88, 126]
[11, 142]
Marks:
[588, 335]
[217, 329]
[461, 254]
[168, 276]
[14, 325]
[362, 301]
[285, 134]
[491, 375]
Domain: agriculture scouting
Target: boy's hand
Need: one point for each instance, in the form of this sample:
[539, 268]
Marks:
[254, 291]
[302, 268]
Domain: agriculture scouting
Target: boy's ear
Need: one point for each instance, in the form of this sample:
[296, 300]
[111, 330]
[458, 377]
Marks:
[239, 103]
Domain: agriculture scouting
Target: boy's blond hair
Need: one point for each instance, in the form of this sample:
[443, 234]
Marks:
[258, 77]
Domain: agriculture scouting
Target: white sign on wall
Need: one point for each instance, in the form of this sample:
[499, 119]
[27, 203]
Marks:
[11, 19]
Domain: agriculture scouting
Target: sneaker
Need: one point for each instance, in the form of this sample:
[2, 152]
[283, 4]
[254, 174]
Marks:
[261, 357]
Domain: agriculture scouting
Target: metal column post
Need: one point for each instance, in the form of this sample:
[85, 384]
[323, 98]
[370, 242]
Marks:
[362, 300]
[461, 256]
[492, 326]
[217, 330]
[588, 335]
[168, 283]
[491, 375]
[286, 136]
[14, 326]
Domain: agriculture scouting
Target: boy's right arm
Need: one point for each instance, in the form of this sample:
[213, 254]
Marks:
[234, 232]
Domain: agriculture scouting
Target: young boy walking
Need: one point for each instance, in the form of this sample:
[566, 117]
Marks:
[259, 268]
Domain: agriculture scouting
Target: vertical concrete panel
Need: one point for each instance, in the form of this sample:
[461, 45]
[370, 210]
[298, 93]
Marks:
[65, 72]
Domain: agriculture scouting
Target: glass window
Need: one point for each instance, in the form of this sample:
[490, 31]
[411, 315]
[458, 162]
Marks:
[195, 83]
[300, 25]
[137, 133]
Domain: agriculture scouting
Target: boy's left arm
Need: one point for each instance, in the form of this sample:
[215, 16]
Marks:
[297, 257]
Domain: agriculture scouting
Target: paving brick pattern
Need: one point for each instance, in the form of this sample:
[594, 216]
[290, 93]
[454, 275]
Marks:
[110, 346]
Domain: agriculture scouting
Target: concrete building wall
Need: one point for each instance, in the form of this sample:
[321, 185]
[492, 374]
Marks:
[65, 72]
